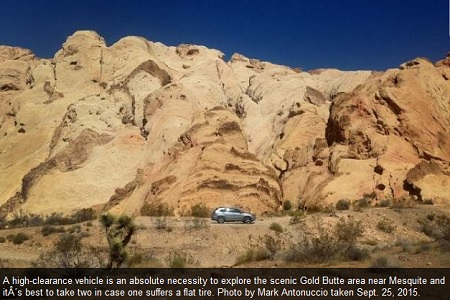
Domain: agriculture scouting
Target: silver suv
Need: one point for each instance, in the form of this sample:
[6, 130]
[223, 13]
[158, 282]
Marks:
[231, 214]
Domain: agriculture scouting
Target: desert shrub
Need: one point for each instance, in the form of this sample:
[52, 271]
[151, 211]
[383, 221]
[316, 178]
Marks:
[271, 244]
[55, 219]
[156, 210]
[386, 226]
[287, 205]
[247, 256]
[82, 215]
[343, 204]
[48, 229]
[356, 253]
[296, 217]
[74, 229]
[19, 238]
[163, 223]
[370, 242]
[385, 203]
[371, 195]
[405, 245]
[436, 226]
[2, 239]
[276, 227]
[22, 219]
[331, 243]
[428, 201]
[135, 259]
[180, 259]
[89, 224]
[253, 254]
[348, 230]
[84, 234]
[195, 223]
[362, 203]
[35, 220]
[200, 210]
[68, 252]
[265, 248]
[382, 262]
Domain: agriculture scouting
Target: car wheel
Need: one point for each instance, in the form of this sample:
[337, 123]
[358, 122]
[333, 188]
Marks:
[247, 220]
[220, 220]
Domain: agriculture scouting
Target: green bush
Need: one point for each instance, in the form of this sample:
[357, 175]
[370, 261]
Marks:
[343, 204]
[276, 227]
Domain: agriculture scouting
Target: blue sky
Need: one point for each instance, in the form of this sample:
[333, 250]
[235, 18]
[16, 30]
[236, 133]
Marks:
[349, 35]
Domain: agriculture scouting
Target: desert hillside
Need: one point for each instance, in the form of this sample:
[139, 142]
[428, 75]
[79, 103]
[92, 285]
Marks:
[140, 123]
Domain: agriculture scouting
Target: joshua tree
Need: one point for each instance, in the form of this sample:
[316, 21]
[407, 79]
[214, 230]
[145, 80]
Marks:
[118, 233]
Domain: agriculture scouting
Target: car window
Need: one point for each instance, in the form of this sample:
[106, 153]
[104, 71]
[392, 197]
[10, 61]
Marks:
[235, 210]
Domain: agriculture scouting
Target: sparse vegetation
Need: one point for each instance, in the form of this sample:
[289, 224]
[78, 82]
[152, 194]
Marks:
[156, 210]
[382, 262]
[195, 223]
[343, 204]
[69, 252]
[180, 259]
[265, 248]
[330, 243]
[405, 245]
[200, 210]
[163, 223]
[2, 239]
[436, 226]
[48, 229]
[21, 219]
[276, 227]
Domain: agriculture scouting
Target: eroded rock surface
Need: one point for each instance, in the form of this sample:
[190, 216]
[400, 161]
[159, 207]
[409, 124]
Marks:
[141, 123]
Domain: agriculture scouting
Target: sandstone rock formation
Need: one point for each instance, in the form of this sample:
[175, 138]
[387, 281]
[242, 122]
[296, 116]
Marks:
[139, 122]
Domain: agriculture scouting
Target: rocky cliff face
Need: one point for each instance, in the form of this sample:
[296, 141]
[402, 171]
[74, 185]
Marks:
[139, 122]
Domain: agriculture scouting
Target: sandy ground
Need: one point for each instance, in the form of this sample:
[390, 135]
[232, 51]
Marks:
[208, 244]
